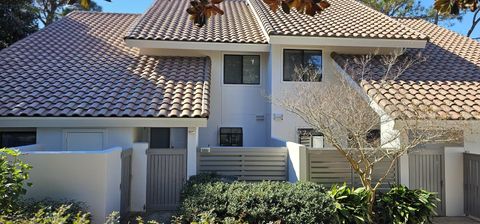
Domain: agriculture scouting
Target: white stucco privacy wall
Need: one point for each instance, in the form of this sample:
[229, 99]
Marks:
[92, 177]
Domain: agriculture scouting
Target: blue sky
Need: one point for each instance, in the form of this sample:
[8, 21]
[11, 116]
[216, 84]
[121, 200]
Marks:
[139, 6]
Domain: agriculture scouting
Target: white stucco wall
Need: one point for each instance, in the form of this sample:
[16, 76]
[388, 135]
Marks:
[286, 129]
[89, 177]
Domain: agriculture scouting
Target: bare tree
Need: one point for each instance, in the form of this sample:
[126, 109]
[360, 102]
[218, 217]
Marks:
[343, 114]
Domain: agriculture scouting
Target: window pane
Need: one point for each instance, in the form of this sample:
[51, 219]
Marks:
[291, 59]
[15, 139]
[251, 69]
[233, 69]
[160, 138]
[237, 140]
[225, 140]
[313, 60]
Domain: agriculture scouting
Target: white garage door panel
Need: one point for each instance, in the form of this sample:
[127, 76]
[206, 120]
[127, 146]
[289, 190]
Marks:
[84, 140]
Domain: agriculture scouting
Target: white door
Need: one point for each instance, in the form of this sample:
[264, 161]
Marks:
[84, 140]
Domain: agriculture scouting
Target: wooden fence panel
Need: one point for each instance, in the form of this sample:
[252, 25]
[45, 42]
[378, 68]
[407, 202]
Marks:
[472, 184]
[250, 164]
[329, 167]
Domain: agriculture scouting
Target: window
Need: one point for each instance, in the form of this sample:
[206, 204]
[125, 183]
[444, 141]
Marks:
[231, 137]
[160, 138]
[17, 138]
[302, 65]
[241, 69]
[310, 138]
[373, 137]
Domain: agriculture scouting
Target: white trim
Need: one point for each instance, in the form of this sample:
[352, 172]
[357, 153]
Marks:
[257, 17]
[346, 42]
[192, 45]
[105, 151]
[104, 122]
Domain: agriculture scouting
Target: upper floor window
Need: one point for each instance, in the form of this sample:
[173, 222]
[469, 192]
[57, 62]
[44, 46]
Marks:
[231, 137]
[241, 69]
[17, 138]
[302, 65]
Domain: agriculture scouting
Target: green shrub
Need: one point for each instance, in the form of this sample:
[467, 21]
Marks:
[13, 174]
[239, 202]
[403, 205]
[350, 204]
[50, 206]
[42, 216]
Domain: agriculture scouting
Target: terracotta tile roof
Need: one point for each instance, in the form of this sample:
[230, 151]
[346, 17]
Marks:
[80, 66]
[447, 84]
[344, 18]
[168, 20]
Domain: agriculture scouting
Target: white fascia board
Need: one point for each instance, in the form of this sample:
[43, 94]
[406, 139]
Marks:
[190, 45]
[80, 122]
[346, 42]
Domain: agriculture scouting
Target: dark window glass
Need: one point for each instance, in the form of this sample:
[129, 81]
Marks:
[160, 138]
[231, 137]
[242, 69]
[15, 139]
[373, 137]
[308, 62]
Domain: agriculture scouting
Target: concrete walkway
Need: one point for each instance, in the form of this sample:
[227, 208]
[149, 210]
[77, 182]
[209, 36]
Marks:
[459, 220]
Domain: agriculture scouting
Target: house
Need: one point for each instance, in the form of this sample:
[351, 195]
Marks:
[117, 110]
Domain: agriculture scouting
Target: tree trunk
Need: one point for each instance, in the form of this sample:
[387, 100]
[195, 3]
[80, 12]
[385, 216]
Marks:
[371, 204]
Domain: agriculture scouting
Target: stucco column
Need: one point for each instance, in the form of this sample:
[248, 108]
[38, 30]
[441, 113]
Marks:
[297, 162]
[390, 139]
[139, 177]
[192, 145]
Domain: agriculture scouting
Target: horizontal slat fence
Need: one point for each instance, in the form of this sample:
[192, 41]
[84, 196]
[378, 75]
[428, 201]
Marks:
[249, 164]
[471, 165]
[329, 167]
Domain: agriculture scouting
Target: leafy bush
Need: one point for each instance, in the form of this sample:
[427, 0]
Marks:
[350, 204]
[240, 202]
[13, 174]
[403, 205]
[42, 216]
[49, 206]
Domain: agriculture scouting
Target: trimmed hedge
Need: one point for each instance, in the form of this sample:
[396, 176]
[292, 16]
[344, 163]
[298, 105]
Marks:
[208, 198]
[255, 202]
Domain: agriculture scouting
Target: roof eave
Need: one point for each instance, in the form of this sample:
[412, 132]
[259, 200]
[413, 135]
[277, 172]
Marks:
[198, 45]
[104, 122]
[346, 42]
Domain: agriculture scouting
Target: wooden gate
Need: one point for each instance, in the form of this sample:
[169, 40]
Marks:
[471, 171]
[167, 172]
[328, 167]
[125, 186]
[427, 171]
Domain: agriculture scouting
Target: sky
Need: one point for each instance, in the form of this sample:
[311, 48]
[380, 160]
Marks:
[139, 6]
